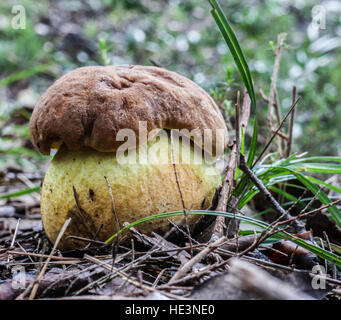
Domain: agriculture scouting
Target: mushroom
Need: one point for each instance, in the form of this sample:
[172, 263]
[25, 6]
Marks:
[101, 120]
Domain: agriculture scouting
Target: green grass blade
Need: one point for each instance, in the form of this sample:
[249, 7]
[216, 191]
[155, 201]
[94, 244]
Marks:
[328, 185]
[233, 44]
[20, 151]
[20, 193]
[23, 74]
[243, 68]
[283, 193]
[334, 211]
[316, 167]
[334, 159]
[104, 52]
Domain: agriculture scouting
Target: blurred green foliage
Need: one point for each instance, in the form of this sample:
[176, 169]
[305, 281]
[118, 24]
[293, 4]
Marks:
[181, 36]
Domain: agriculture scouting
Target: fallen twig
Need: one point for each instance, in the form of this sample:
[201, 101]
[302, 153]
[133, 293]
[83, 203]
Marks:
[188, 266]
[43, 270]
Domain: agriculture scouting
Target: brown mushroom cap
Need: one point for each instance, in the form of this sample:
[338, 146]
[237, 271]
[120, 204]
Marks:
[88, 106]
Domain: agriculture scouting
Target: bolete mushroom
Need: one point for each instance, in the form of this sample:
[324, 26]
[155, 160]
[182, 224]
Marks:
[89, 115]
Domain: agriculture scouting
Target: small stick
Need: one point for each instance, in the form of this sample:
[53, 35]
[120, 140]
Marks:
[39, 255]
[180, 192]
[86, 240]
[28, 182]
[113, 205]
[95, 236]
[13, 239]
[298, 200]
[272, 101]
[218, 230]
[15, 233]
[56, 262]
[118, 227]
[275, 133]
[292, 256]
[330, 249]
[190, 263]
[281, 134]
[127, 277]
[264, 97]
[159, 276]
[246, 111]
[238, 132]
[291, 123]
[304, 214]
[278, 116]
[155, 63]
[312, 200]
[112, 275]
[43, 270]
[176, 227]
[23, 249]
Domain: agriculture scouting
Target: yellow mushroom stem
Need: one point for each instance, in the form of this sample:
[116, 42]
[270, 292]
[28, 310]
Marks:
[75, 186]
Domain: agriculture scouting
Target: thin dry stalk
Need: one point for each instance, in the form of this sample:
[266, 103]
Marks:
[180, 192]
[13, 239]
[241, 122]
[272, 95]
[218, 230]
[137, 284]
[90, 241]
[291, 123]
[39, 255]
[113, 208]
[312, 200]
[43, 270]
[114, 271]
[201, 255]
[15, 233]
[238, 132]
[305, 214]
[325, 235]
[298, 200]
[276, 132]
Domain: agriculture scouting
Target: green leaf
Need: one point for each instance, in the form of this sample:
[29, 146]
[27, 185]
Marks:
[104, 52]
[283, 193]
[334, 211]
[20, 193]
[328, 185]
[243, 68]
[233, 44]
[335, 159]
[23, 74]
[316, 167]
